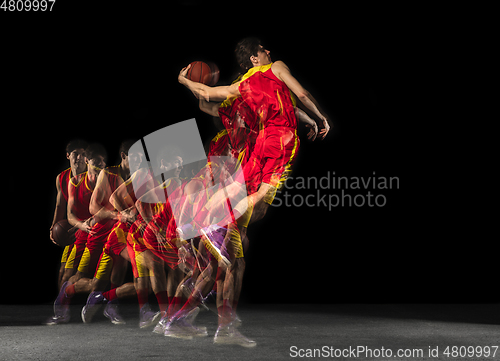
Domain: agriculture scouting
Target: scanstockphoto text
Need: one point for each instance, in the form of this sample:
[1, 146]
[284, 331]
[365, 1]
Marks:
[334, 190]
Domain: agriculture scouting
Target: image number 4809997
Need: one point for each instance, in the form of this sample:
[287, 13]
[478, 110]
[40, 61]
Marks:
[27, 5]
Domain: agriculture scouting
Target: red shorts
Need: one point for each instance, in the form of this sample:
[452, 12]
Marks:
[272, 157]
[95, 245]
[78, 247]
[135, 246]
[164, 247]
[117, 239]
[115, 244]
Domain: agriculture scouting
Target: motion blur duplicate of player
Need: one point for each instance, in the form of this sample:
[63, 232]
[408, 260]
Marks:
[75, 153]
[105, 216]
[80, 190]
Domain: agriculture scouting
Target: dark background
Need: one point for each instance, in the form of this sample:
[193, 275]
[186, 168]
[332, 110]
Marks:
[383, 77]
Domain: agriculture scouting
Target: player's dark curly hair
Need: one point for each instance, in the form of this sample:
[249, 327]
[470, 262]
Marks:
[126, 145]
[95, 149]
[245, 49]
[76, 144]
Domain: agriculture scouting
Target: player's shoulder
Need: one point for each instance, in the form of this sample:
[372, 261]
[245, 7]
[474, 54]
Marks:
[64, 176]
[111, 170]
[279, 68]
[279, 64]
[64, 173]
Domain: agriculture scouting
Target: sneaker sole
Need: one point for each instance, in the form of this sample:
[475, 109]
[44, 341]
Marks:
[152, 321]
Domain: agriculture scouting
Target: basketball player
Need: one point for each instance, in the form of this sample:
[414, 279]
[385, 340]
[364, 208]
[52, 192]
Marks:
[75, 151]
[104, 217]
[124, 200]
[226, 241]
[274, 110]
[265, 90]
[80, 192]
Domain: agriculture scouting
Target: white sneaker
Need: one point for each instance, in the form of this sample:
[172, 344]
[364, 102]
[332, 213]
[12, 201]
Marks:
[229, 335]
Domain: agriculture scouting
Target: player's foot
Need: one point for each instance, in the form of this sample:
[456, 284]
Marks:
[200, 331]
[175, 329]
[94, 302]
[56, 320]
[181, 328]
[147, 317]
[111, 312]
[61, 308]
[236, 321]
[160, 326]
[229, 335]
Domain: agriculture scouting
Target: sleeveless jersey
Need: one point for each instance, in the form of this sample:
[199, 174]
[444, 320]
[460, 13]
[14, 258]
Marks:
[64, 178]
[268, 97]
[82, 193]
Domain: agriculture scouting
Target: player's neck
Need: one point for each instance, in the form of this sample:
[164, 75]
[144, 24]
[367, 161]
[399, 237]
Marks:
[91, 178]
[125, 171]
[75, 171]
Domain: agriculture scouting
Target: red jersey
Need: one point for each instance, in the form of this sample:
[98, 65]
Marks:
[64, 178]
[103, 226]
[81, 192]
[268, 97]
[114, 176]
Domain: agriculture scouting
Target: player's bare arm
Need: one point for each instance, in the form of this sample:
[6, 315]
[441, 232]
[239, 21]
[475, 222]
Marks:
[283, 73]
[210, 108]
[153, 196]
[208, 93]
[122, 200]
[60, 210]
[83, 224]
[309, 122]
[99, 203]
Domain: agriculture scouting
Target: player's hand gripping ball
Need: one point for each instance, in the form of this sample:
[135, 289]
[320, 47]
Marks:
[205, 73]
[64, 233]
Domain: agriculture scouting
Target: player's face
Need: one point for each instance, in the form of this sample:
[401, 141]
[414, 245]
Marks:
[177, 163]
[96, 164]
[77, 159]
[134, 160]
[173, 167]
[264, 56]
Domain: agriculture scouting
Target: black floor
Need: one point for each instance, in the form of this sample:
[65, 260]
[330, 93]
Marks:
[281, 332]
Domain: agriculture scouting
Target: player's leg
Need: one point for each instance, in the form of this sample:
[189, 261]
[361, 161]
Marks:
[67, 290]
[156, 265]
[229, 283]
[62, 269]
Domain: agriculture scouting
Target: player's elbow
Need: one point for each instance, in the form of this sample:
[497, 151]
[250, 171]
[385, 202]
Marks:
[94, 208]
[71, 219]
[303, 95]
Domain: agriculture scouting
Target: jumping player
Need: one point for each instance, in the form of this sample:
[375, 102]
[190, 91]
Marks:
[265, 91]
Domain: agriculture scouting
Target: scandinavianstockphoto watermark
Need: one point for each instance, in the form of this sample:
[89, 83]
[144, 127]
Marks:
[332, 191]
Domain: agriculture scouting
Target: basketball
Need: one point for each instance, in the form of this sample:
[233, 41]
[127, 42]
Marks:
[205, 73]
[61, 235]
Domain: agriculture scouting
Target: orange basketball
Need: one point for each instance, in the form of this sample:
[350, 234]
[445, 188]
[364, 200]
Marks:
[205, 73]
[61, 235]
